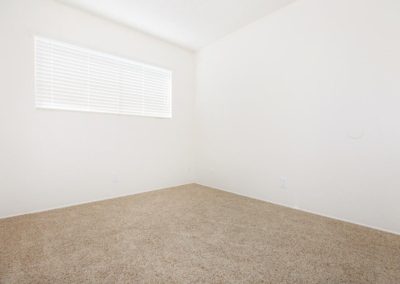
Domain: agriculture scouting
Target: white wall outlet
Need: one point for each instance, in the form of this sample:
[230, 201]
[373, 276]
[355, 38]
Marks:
[115, 178]
[283, 182]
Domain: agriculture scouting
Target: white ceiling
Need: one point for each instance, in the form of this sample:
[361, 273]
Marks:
[188, 23]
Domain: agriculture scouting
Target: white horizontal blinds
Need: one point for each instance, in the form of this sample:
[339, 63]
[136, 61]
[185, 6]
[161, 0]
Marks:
[74, 78]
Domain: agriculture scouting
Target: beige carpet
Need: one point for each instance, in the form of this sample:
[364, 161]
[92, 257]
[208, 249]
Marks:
[192, 234]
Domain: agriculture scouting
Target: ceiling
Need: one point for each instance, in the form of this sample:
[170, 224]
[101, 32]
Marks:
[189, 23]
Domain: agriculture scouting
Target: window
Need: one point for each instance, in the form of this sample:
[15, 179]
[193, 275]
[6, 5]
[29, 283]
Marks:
[69, 77]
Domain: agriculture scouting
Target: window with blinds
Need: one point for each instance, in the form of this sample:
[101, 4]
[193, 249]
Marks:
[69, 77]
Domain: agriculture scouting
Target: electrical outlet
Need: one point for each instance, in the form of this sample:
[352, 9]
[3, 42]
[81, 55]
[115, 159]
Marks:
[283, 182]
[115, 178]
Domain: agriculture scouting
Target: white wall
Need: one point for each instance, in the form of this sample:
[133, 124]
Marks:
[56, 158]
[310, 93]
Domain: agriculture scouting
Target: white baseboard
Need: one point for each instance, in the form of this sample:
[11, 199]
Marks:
[249, 196]
[87, 202]
[309, 211]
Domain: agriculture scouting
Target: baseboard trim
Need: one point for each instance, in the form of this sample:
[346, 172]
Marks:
[213, 187]
[89, 202]
[307, 211]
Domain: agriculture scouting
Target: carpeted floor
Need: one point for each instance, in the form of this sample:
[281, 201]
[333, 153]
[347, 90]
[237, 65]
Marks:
[192, 234]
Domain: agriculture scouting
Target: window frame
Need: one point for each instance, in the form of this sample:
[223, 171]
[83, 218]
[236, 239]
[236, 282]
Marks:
[167, 115]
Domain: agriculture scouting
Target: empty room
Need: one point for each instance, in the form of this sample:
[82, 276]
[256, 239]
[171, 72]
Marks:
[200, 141]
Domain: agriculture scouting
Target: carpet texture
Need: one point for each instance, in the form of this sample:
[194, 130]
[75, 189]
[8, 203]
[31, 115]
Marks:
[192, 234]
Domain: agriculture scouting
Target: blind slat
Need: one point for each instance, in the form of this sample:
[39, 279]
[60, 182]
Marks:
[74, 78]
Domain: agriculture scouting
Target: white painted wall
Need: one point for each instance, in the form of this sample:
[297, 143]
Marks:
[55, 158]
[310, 93]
